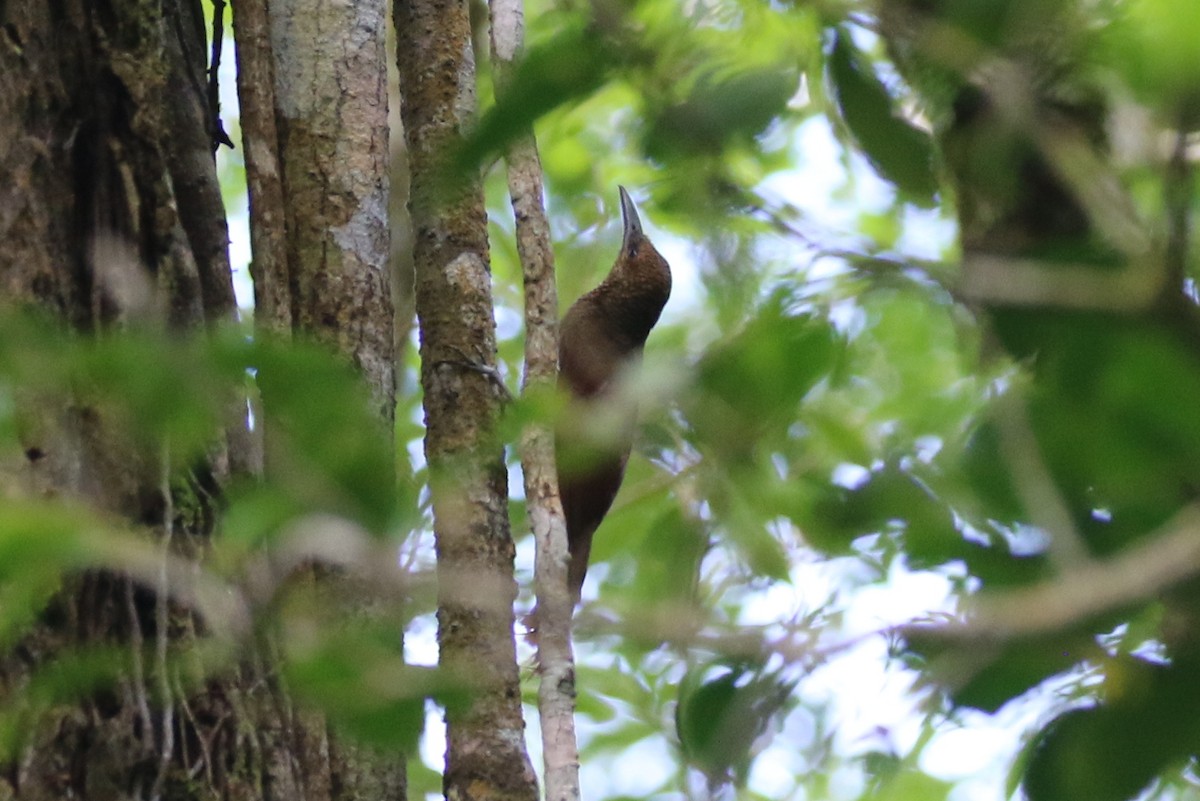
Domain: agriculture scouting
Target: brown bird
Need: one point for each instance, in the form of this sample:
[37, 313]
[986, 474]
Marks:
[601, 336]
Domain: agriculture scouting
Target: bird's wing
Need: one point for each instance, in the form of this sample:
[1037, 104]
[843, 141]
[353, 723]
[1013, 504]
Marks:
[588, 358]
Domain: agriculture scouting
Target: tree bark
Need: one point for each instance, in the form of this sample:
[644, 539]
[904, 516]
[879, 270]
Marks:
[264, 184]
[556, 660]
[111, 216]
[314, 92]
[486, 756]
[331, 116]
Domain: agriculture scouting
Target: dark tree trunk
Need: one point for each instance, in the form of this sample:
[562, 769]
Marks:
[111, 217]
[110, 214]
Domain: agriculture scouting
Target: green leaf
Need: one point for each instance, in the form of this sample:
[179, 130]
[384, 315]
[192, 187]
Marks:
[45, 535]
[750, 386]
[257, 511]
[355, 673]
[1017, 669]
[901, 152]
[668, 559]
[1153, 47]
[723, 709]
[1085, 753]
[325, 444]
[70, 676]
[889, 498]
[719, 111]
[764, 554]
[23, 599]
[569, 66]
[912, 785]
[1106, 409]
[1149, 722]
[986, 471]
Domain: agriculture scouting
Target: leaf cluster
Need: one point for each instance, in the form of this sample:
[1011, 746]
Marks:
[234, 556]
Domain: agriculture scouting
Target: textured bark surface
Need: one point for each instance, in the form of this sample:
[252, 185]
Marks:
[556, 660]
[331, 117]
[264, 184]
[486, 756]
[555, 602]
[313, 86]
[110, 213]
[84, 117]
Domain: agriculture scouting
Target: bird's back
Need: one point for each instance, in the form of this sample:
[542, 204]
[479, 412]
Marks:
[601, 336]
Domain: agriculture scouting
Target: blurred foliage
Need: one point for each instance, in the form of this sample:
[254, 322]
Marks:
[332, 498]
[820, 402]
[901, 152]
[824, 420]
[722, 712]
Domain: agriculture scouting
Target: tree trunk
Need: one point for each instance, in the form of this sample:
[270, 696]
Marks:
[111, 217]
[486, 756]
[110, 201]
[323, 123]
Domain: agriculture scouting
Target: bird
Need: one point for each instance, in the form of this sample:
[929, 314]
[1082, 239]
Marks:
[601, 337]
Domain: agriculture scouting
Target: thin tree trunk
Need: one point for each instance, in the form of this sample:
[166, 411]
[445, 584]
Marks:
[556, 661]
[486, 756]
[331, 116]
[264, 184]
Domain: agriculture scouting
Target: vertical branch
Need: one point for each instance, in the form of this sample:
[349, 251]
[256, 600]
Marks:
[556, 691]
[486, 756]
[161, 626]
[137, 665]
[260, 149]
[219, 136]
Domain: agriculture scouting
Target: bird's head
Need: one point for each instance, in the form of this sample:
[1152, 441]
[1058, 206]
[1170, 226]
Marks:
[640, 270]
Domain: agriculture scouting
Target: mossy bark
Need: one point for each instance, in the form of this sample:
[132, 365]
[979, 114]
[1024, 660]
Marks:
[486, 756]
[110, 214]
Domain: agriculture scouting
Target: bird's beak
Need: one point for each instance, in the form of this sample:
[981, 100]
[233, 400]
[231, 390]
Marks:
[632, 225]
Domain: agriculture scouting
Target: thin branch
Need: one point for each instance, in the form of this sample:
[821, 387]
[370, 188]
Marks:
[219, 136]
[556, 690]
[138, 666]
[1090, 176]
[1138, 574]
[1008, 281]
[480, 367]
[1035, 485]
[161, 623]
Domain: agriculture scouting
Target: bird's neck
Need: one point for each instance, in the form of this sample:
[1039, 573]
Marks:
[632, 302]
[631, 311]
[635, 291]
